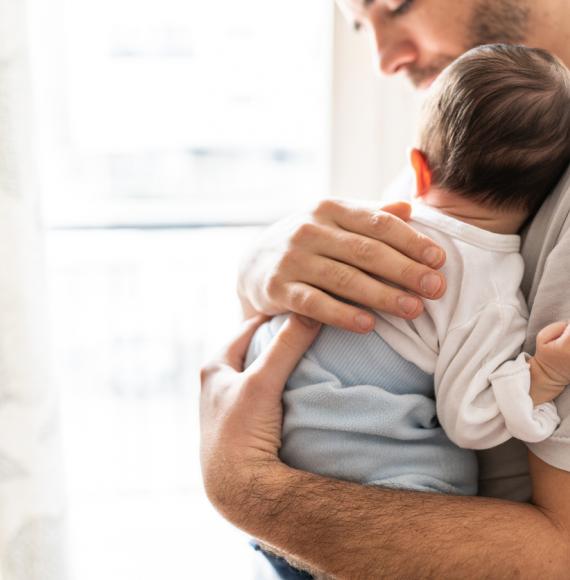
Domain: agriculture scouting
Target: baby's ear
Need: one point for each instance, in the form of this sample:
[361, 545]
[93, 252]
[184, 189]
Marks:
[422, 171]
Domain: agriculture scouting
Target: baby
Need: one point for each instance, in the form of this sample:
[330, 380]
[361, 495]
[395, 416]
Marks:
[404, 405]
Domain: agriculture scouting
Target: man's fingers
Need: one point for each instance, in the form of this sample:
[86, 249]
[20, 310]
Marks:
[377, 258]
[361, 288]
[235, 352]
[277, 362]
[390, 229]
[318, 305]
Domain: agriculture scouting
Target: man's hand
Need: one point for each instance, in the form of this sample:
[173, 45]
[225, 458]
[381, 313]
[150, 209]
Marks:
[343, 249]
[241, 412]
[550, 366]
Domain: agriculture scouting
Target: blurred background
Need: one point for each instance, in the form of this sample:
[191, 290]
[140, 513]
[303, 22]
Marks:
[165, 135]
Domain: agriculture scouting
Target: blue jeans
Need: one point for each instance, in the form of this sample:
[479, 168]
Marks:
[281, 566]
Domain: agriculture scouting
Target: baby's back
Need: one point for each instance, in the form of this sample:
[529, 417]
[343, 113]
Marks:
[356, 410]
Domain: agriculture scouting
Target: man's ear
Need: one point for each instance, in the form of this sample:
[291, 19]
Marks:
[422, 171]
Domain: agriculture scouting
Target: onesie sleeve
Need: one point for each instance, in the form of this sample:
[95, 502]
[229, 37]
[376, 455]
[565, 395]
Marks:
[482, 383]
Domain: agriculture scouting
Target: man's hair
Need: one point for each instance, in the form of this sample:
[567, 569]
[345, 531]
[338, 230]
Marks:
[497, 126]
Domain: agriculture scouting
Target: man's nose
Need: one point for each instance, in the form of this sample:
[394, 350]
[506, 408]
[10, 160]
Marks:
[394, 54]
[396, 60]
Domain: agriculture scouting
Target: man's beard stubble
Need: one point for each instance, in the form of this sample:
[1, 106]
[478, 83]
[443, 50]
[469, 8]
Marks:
[420, 75]
[499, 21]
[492, 21]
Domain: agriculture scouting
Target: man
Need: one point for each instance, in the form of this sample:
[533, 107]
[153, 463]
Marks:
[343, 529]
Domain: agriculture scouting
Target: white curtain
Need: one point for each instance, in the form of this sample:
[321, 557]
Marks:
[31, 498]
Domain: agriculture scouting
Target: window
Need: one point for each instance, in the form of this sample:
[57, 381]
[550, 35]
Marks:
[191, 111]
[169, 132]
[163, 123]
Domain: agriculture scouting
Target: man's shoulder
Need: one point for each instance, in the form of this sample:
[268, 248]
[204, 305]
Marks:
[551, 220]
[546, 251]
[549, 228]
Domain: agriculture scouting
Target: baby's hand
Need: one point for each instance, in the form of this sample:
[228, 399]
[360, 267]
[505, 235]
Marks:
[550, 366]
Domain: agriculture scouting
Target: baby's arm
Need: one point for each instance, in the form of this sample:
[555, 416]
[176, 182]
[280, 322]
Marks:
[550, 366]
[483, 387]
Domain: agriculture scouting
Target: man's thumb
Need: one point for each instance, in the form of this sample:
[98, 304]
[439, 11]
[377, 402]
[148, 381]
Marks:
[285, 351]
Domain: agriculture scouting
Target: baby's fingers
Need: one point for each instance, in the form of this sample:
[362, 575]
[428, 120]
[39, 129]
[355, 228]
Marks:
[565, 336]
[554, 331]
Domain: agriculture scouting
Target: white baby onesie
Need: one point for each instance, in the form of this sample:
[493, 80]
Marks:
[471, 338]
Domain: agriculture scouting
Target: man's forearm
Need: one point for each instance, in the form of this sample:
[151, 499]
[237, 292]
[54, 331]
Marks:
[352, 531]
[348, 530]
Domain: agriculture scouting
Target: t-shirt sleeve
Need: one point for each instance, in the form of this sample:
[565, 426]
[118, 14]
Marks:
[482, 386]
[552, 303]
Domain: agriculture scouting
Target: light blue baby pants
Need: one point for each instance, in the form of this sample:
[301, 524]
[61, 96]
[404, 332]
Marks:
[354, 409]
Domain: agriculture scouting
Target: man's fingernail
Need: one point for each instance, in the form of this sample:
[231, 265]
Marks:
[431, 284]
[364, 322]
[408, 305]
[308, 322]
[433, 256]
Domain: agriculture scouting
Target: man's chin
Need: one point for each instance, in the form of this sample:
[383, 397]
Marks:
[425, 84]
[423, 78]
[422, 83]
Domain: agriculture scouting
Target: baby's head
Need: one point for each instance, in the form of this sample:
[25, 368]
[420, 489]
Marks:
[495, 130]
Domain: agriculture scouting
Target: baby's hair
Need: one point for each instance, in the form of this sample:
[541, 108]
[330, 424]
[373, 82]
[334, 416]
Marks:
[497, 126]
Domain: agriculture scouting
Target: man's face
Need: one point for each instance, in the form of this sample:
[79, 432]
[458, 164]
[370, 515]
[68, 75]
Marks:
[421, 37]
